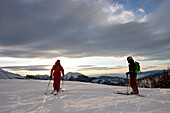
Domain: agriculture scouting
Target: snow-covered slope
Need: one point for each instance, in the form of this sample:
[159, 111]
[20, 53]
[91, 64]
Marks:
[8, 75]
[22, 96]
[72, 75]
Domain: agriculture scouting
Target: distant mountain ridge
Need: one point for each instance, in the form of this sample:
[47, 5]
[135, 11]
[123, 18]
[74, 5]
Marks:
[109, 79]
[150, 73]
[123, 75]
[9, 75]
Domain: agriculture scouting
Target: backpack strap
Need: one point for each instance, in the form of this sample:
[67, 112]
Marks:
[58, 68]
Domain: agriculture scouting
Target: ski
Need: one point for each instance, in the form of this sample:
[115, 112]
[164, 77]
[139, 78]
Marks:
[52, 92]
[55, 93]
[118, 92]
[122, 93]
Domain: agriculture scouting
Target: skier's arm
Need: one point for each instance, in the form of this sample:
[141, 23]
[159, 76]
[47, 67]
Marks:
[131, 69]
[131, 73]
[52, 72]
[128, 73]
[62, 70]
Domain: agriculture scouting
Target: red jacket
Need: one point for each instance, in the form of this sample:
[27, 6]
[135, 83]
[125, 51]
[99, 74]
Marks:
[57, 69]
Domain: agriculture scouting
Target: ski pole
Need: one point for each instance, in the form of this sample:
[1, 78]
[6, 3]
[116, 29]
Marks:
[127, 86]
[47, 87]
[63, 83]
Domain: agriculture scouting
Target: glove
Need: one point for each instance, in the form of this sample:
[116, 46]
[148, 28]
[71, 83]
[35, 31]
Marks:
[63, 77]
[51, 76]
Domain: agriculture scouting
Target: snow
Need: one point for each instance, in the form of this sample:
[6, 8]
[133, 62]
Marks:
[28, 96]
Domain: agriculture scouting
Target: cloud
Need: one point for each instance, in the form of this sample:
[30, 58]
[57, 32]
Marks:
[28, 68]
[160, 18]
[85, 65]
[141, 10]
[168, 64]
[117, 13]
[123, 17]
[114, 8]
[92, 68]
[149, 67]
[144, 19]
[74, 28]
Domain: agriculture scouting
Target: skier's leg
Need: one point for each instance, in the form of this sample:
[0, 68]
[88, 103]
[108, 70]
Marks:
[58, 82]
[55, 82]
[132, 84]
[55, 85]
[135, 85]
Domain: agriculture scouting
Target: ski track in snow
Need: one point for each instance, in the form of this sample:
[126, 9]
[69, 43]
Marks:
[23, 96]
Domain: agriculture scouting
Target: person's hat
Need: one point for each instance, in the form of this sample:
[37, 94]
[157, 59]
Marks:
[129, 58]
[57, 62]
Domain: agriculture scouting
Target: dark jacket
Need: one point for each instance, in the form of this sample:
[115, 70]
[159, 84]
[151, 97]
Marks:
[131, 68]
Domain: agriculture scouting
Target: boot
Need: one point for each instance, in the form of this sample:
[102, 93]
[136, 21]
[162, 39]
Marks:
[55, 92]
[52, 91]
[132, 92]
[135, 92]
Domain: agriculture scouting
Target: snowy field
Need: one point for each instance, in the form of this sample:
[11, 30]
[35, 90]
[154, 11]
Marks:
[22, 96]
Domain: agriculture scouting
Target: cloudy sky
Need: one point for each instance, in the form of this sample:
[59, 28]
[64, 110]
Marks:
[88, 36]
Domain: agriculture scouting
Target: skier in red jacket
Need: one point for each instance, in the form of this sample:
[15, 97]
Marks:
[56, 71]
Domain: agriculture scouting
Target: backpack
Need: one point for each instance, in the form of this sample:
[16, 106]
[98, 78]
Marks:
[137, 67]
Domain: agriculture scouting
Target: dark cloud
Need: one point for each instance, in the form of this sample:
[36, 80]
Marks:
[27, 68]
[86, 66]
[149, 67]
[70, 28]
[90, 68]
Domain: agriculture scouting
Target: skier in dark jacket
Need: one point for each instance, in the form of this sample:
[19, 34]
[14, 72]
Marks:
[133, 75]
[56, 71]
